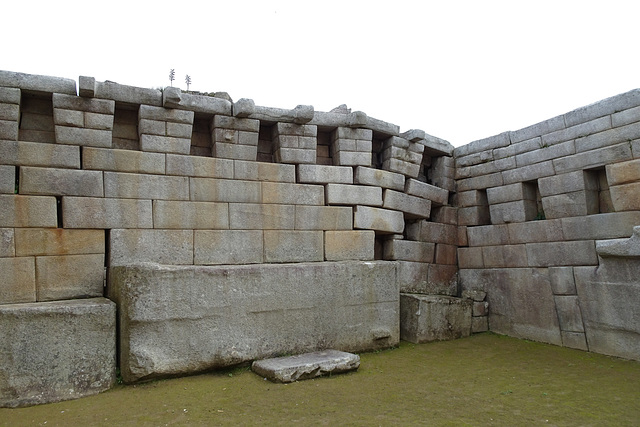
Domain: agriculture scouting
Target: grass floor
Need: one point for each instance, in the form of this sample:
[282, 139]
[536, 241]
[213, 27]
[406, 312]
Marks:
[486, 379]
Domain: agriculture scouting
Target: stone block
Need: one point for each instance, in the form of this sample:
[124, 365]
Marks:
[143, 186]
[173, 97]
[470, 257]
[322, 174]
[295, 156]
[349, 245]
[90, 212]
[471, 198]
[165, 144]
[306, 366]
[380, 220]
[293, 246]
[575, 340]
[411, 206]
[623, 173]
[407, 250]
[474, 215]
[83, 137]
[446, 254]
[565, 183]
[128, 94]
[37, 83]
[379, 178]
[480, 308]
[21, 153]
[488, 235]
[69, 276]
[577, 131]
[225, 190]
[86, 86]
[67, 350]
[536, 231]
[254, 216]
[123, 161]
[508, 256]
[437, 195]
[409, 169]
[58, 241]
[602, 108]
[562, 281]
[61, 182]
[169, 214]
[196, 166]
[10, 95]
[608, 137]
[235, 123]
[171, 115]
[9, 130]
[9, 112]
[427, 231]
[625, 117]
[7, 179]
[27, 211]
[227, 315]
[445, 214]
[528, 173]
[580, 252]
[213, 247]
[259, 171]
[323, 218]
[479, 324]
[569, 315]
[548, 152]
[159, 246]
[426, 318]
[538, 129]
[594, 158]
[350, 158]
[578, 203]
[296, 194]
[18, 280]
[7, 242]
[516, 211]
[342, 194]
[625, 197]
[481, 182]
[510, 193]
[496, 141]
[601, 226]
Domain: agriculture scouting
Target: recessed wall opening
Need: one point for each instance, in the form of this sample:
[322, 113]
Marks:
[378, 248]
[425, 169]
[324, 154]
[598, 196]
[265, 144]
[376, 153]
[125, 127]
[201, 136]
[36, 117]
[532, 201]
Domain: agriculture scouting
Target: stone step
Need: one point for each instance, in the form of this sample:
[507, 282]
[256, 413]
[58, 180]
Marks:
[306, 366]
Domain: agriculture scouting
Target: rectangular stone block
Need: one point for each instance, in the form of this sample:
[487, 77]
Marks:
[516, 211]
[625, 197]
[190, 215]
[342, 194]
[165, 114]
[623, 173]
[89, 212]
[580, 252]
[578, 203]
[577, 131]
[480, 308]
[512, 192]
[213, 247]
[242, 313]
[143, 186]
[323, 218]
[601, 226]
[481, 182]
[479, 324]
[10, 95]
[288, 369]
[608, 137]
[446, 254]
[565, 183]
[593, 158]
[61, 182]
[7, 179]
[22, 153]
[411, 206]
[379, 178]
[123, 161]
[569, 314]
[28, 211]
[165, 144]
[260, 171]
[470, 257]
[204, 167]
[562, 281]
[528, 173]
[413, 277]
[535, 231]
[406, 250]
[349, 245]
[575, 340]
[323, 174]
[625, 117]
[437, 195]
[159, 246]
[58, 241]
[225, 190]
[445, 214]
[547, 152]
[69, 276]
[18, 282]
[507, 256]
[7, 242]
[409, 169]
[9, 112]
[9, 130]
[427, 231]
[83, 137]
[92, 105]
[293, 246]
[351, 158]
[488, 235]
[426, 318]
[296, 194]
[381, 220]
[471, 198]
[474, 215]
[249, 216]
[243, 124]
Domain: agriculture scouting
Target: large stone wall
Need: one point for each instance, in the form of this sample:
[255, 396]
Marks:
[226, 231]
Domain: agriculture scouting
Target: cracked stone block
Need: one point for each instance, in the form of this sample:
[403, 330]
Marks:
[306, 366]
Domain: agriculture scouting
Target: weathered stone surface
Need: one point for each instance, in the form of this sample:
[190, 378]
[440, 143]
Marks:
[160, 246]
[580, 252]
[37, 83]
[379, 178]
[349, 245]
[143, 186]
[324, 174]
[253, 216]
[173, 97]
[407, 250]
[623, 173]
[601, 226]
[225, 190]
[437, 195]
[341, 194]
[536, 231]
[381, 220]
[306, 366]
[7, 242]
[427, 231]
[323, 218]
[69, 276]
[569, 315]
[446, 254]
[516, 211]
[221, 316]
[168, 214]
[123, 161]
[479, 324]
[128, 94]
[575, 340]
[18, 280]
[411, 206]
[301, 114]
[578, 203]
[259, 171]
[474, 215]
[27, 211]
[7, 179]
[509, 256]
[488, 235]
[625, 197]
[61, 182]
[562, 281]
[213, 247]
[592, 159]
[293, 246]
[444, 214]
[91, 212]
[426, 318]
[423, 278]
[56, 350]
[58, 241]
[620, 247]
[470, 257]
[199, 166]
[296, 194]
[22, 153]
[604, 107]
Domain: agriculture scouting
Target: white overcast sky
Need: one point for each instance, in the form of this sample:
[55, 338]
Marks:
[459, 70]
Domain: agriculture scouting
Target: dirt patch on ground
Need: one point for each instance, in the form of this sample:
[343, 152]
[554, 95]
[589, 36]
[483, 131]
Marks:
[482, 380]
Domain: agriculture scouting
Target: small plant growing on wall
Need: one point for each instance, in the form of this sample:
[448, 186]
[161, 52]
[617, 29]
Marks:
[172, 76]
[187, 80]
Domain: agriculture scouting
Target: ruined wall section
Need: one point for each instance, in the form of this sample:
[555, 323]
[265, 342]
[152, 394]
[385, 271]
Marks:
[536, 203]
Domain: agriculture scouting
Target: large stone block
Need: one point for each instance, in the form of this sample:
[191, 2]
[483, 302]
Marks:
[56, 350]
[407, 250]
[293, 246]
[342, 194]
[295, 194]
[213, 317]
[324, 218]
[535, 231]
[623, 173]
[423, 278]
[160, 246]
[438, 196]
[306, 366]
[470, 257]
[580, 252]
[379, 178]
[123, 161]
[91, 212]
[61, 182]
[28, 211]
[7, 179]
[225, 190]
[488, 235]
[601, 226]
[69, 276]
[578, 203]
[197, 166]
[169, 214]
[7, 242]
[426, 318]
[381, 220]
[213, 247]
[142, 186]
[562, 280]
[324, 174]
[260, 171]
[253, 216]
[22, 153]
[509, 193]
[625, 197]
[18, 280]
[349, 245]
[516, 211]
[411, 206]
[593, 159]
[569, 314]
[427, 231]
[58, 241]
[474, 215]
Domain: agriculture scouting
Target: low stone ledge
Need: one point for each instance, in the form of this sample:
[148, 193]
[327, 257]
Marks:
[306, 366]
[426, 318]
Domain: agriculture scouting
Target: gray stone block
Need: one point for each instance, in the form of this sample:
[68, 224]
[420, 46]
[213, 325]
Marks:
[18, 280]
[34, 82]
[123, 161]
[445, 214]
[301, 114]
[569, 314]
[21, 153]
[28, 211]
[341, 194]
[169, 214]
[233, 314]
[479, 324]
[576, 340]
[625, 117]
[293, 246]
[411, 206]
[580, 252]
[86, 86]
[199, 166]
[516, 211]
[323, 218]
[407, 250]
[593, 158]
[437, 195]
[164, 144]
[562, 281]
[321, 174]
[159, 246]
[128, 94]
[507, 256]
[536, 231]
[471, 198]
[474, 215]
[601, 226]
[620, 247]
[423, 278]
[67, 350]
[562, 149]
[143, 186]
[7, 179]
[528, 173]
[254, 216]
[426, 318]
[623, 173]
[9, 130]
[380, 220]
[349, 245]
[496, 141]
[259, 171]
[482, 182]
[215, 247]
[69, 276]
[379, 178]
[61, 182]
[173, 97]
[100, 213]
[470, 257]
[604, 107]
[427, 231]
[625, 197]
[488, 235]
[225, 190]
[577, 131]
[10, 95]
[296, 194]
[577, 203]
[538, 129]
[7, 242]
[306, 366]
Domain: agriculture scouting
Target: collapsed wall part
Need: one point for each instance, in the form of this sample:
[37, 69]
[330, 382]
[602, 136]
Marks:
[227, 232]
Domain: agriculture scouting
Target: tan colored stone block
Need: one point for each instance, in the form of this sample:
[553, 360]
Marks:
[474, 215]
[623, 173]
[626, 197]
[7, 242]
[294, 194]
[253, 216]
[9, 130]
[141, 186]
[159, 246]
[18, 282]
[123, 160]
[58, 241]
[165, 144]
[61, 182]
[168, 214]
[444, 214]
[381, 220]
[411, 206]
[214, 247]
[69, 276]
[446, 254]
[89, 212]
[22, 153]
[349, 245]
[260, 171]
[83, 137]
[488, 235]
[324, 174]
[206, 167]
[407, 250]
[28, 211]
[324, 218]
[536, 231]
[293, 246]
[342, 194]
[225, 190]
[438, 196]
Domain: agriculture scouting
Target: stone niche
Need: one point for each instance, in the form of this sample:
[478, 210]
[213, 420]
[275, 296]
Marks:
[184, 319]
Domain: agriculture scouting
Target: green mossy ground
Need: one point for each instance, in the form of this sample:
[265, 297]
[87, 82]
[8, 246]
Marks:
[482, 380]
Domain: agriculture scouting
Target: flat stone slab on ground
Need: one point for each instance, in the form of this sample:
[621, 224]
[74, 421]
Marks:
[306, 366]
